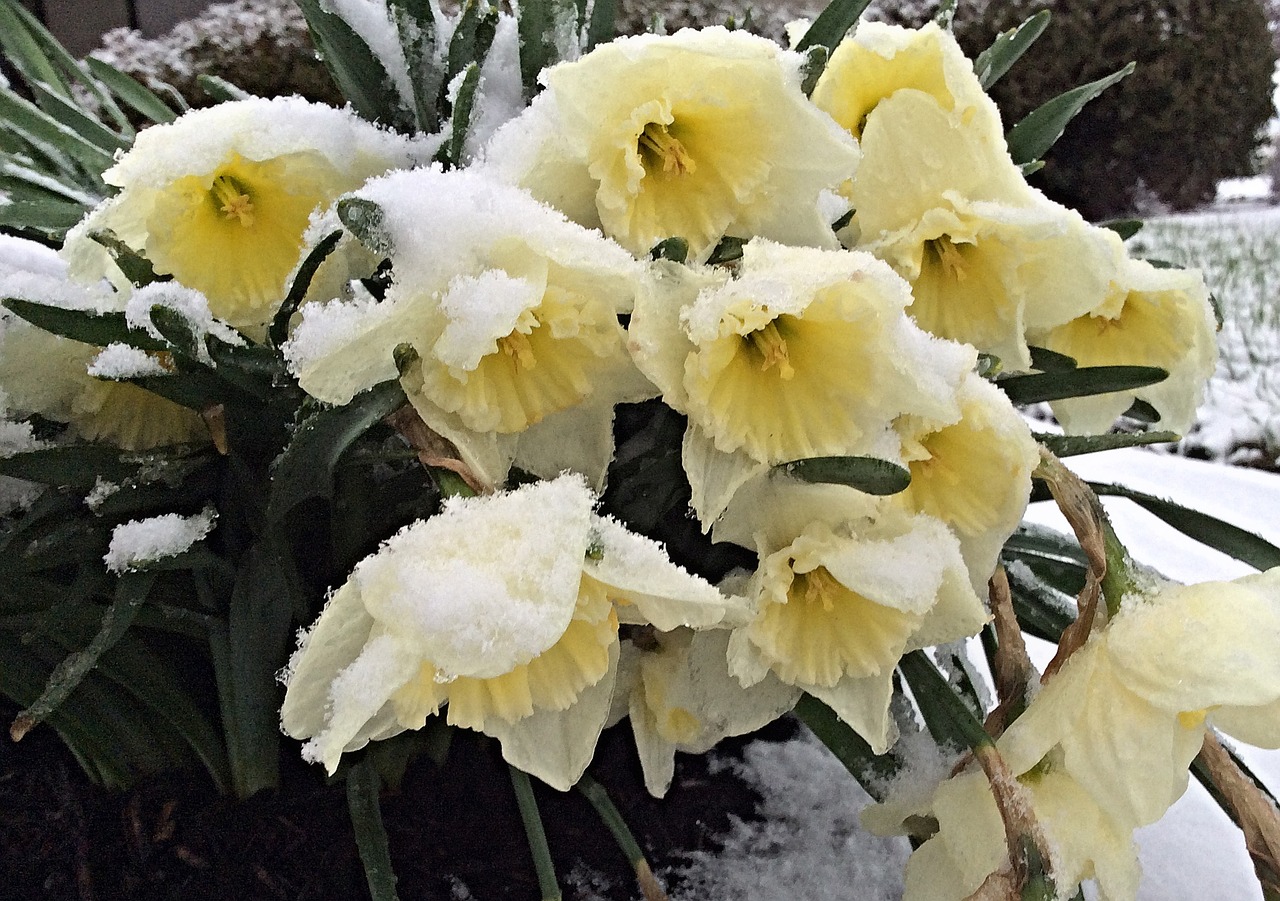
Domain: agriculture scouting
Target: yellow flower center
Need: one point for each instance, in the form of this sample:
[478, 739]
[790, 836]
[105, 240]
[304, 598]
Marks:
[657, 146]
[771, 347]
[518, 347]
[818, 588]
[949, 257]
[230, 198]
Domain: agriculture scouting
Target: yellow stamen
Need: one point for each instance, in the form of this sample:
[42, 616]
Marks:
[820, 587]
[656, 141]
[516, 345]
[950, 257]
[232, 200]
[770, 344]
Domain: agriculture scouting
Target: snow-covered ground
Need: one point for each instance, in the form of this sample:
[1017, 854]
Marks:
[809, 847]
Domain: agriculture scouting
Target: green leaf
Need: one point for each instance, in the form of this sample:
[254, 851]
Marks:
[51, 217]
[453, 150]
[1034, 135]
[24, 118]
[538, 23]
[363, 786]
[851, 749]
[415, 23]
[1074, 445]
[355, 68]
[815, 62]
[1050, 361]
[135, 95]
[868, 474]
[727, 251]
[23, 50]
[829, 29]
[78, 121]
[16, 172]
[1008, 48]
[674, 249]
[78, 466]
[602, 27]
[131, 592]
[948, 718]
[1125, 228]
[136, 268]
[1082, 382]
[472, 38]
[220, 89]
[279, 330]
[1208, 530]
[1042, 610]
[364, 219]
[305, 469]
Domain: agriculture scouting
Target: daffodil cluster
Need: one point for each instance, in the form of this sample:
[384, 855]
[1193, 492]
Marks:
[694, 302]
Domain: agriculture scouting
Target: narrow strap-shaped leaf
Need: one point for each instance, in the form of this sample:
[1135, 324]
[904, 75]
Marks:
[24, 51]
[13, 170]
[1042, 610]
[815, 63]
[595, 793]
[37, 126]
[1082, 382]
[868, 474]
[279, 329]
[131, 592]
[75, 118]
[1233, 541]
[220, 89]
[851, 749]
[1074, 445]
[829, 29]
[354, 66]
[472, 37]
[136, 267]
[948, 718]
[363, 786]
[602, 27]
[134, 93]
[1035, 134]
[454, 149]
[538, 22]
[1125, 228]
[73, 465]
[415, 22]
[1008, 48]
[48, 217]
[305, 469]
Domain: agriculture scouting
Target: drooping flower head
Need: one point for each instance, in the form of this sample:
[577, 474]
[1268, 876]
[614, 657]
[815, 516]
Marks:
[511, 309]
[844, 588]
[693, 135]
[220, 198]
[805, 353]
[1151, 317]
[505, 609]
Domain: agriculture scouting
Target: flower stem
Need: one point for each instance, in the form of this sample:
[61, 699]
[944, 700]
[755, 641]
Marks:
[536, 835]
[363, 782]
[594, 792]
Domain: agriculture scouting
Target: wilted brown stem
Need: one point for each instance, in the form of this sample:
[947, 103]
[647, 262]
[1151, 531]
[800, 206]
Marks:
[434, 450]
[1013, 669]
[1027, 848]
[1087, 519]
[1253, 811]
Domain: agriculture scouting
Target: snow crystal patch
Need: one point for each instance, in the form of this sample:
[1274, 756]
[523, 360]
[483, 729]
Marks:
[142, 541]
[808, 846]
[482, 309]
[188, 303]
[21, 255]
[102, 489]
[123, 361]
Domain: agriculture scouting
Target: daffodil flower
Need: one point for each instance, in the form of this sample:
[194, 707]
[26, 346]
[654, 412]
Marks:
[512, 311]
[679, 696]
[844, 588]
[1128, 711]
[805, 353]
[502, 609]
[693, 135]
[1151, 317]
[970, 843]
[974, 474]
[220, 198]
[64, 380]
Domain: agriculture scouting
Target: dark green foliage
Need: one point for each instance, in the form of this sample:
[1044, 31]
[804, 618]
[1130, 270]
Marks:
[1189, 116]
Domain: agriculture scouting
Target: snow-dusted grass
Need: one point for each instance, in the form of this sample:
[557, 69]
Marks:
[1239, 251]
